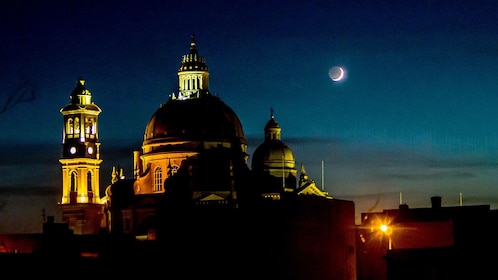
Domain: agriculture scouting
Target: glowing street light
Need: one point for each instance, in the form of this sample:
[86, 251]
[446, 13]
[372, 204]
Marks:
[387, 230]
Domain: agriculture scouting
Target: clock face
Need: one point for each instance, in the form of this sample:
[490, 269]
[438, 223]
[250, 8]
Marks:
[72, 150]
[90, 150]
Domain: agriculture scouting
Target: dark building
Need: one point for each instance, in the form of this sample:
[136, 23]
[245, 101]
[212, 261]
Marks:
[427, 243]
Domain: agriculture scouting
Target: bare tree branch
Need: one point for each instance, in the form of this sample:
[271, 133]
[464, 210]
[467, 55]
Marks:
[24, 92]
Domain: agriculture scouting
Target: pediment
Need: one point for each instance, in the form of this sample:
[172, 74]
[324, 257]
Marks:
[311, 189]
[212, 197]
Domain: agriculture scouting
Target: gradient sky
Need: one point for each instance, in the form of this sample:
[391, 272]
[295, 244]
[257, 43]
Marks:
[416, 114]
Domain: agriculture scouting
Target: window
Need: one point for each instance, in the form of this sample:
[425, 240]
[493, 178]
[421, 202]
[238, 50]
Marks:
[69, 128]
[89, 127]
[77, 126]
[89, 181]
[92, 126]
[158, 179]
[88, 124]
[74, 181]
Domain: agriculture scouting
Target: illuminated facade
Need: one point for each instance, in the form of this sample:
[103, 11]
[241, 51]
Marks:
[80, 203]
[193, 130]
[194, 152]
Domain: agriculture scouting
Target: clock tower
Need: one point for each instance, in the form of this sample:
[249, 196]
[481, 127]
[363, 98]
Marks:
[80, 204]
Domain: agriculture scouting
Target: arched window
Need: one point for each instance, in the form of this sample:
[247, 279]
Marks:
[70, 127]
[158, 179]
[74, 181]
[92, 126]
[77, 125]
[89, 181]
[88, 124]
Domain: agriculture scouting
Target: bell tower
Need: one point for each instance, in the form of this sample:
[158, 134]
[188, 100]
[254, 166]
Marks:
[80, 203]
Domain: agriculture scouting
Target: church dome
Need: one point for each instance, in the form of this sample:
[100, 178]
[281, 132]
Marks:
[206, 118]
[272, 152]
[81, 98]
[193, 114]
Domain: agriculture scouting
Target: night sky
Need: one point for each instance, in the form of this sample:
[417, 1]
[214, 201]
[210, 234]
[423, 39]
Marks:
[416, 113]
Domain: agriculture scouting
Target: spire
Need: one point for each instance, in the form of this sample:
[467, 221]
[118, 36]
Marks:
[193, 61]
[114, 175]
[193, 47]
[303, 178]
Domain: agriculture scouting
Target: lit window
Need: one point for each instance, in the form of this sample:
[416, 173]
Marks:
[76, 125]
[88, 124]
[92, 127]
[70, 126]
[158, 179]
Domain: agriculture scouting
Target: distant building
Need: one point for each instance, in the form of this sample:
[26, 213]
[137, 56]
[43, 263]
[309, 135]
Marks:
[427, 243]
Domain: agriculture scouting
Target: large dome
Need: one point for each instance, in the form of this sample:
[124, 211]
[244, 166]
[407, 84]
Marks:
[206, 118]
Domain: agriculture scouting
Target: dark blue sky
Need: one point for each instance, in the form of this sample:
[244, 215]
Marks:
[416, 113]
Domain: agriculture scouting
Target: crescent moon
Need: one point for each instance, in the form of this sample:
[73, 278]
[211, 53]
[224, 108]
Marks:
[340, 76]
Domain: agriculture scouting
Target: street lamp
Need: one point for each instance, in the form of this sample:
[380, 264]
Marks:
[387, 230]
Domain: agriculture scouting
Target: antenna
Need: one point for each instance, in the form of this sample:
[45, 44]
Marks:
[461, 199]
[400, 198]
[322, 177]
[283, 171]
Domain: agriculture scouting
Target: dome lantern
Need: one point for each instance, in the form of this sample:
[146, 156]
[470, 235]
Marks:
[193, 75]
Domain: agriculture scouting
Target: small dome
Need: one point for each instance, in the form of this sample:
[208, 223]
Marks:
[200, 119]
[272, 124]
[81, 98]
[271, 153]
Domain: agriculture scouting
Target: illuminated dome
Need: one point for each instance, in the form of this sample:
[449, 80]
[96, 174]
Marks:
[206, 118]
[272, 153]
[193, 144]
[193, 114]
[81, 98]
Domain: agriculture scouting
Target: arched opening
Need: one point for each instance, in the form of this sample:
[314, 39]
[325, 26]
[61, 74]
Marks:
[158, 179]
[73, 193]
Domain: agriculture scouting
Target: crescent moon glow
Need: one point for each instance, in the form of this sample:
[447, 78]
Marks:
[336, 73]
